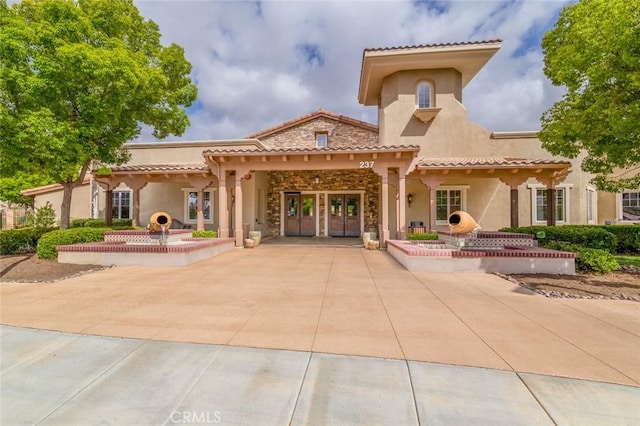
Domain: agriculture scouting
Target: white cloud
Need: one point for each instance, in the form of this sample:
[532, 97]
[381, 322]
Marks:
[258, 64]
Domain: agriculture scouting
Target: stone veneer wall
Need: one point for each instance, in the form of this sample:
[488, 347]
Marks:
[330, 180]
[340, 135]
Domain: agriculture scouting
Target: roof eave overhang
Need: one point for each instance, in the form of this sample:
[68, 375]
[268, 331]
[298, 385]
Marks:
[468, 59]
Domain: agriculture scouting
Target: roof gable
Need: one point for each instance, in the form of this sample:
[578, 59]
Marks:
[320, 113]
[300, 133]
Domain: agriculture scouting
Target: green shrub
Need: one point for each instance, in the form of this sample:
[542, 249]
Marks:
[94, 223]
[77, 223]
[589, 259]
[205, 234]
[48, 242]
[99, 223]
[121, 223]
[583, 235]
[420, 236]
[628, 237]
[43, 217]
[21, 240]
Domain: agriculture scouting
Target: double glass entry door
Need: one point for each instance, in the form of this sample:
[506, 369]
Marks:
[344, 215]
[300, 215]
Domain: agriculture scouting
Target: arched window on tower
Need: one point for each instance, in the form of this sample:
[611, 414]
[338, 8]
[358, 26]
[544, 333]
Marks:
[424, 95]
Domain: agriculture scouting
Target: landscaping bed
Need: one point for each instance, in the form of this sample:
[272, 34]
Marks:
[623, 284]
[28, 268]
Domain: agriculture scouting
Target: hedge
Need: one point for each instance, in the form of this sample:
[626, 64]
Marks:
[205, 234]
[628, 237]
[21, 240]
[584, 235]
[422, 236]
[98, 223]
[589, 259]
[48, 242]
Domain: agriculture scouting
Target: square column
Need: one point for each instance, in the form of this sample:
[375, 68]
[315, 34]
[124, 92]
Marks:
[223, 215]
[402, 211]
[239, 235]
[551, 206]
[108, 207]
[200, 212]
[432, 183]
[384, 233]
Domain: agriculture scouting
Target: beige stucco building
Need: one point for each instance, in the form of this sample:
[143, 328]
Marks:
[323, 174]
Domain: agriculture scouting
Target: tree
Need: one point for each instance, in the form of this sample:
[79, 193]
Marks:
[594, 52]
[77, 79]
[11, 186]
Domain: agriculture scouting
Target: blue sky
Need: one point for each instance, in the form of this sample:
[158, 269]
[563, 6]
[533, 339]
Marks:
[257, 64]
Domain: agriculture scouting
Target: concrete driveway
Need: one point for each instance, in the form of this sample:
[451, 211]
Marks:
[399, 328]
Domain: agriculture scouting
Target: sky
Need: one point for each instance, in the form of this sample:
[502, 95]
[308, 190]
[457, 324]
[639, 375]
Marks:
[258, 64]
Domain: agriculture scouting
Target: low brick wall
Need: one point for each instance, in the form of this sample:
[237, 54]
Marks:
[119, 253]
[510, 260]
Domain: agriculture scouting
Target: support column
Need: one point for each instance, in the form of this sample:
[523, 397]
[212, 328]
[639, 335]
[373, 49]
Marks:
[432, 183]
[384, 233]
[514, 180]
[200, 212]
[223, 215]
[200, 183]
[238, 210]
[551, 206]
[136, 185]
[432, 208]
[135, 214]
[514, 207]
[402, 215]
[108, 208]
[108, 184]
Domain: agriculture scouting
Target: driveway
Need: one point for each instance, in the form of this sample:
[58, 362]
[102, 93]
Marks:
[318, 302]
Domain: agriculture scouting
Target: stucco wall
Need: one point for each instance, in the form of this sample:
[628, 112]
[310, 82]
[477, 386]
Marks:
[80, 201]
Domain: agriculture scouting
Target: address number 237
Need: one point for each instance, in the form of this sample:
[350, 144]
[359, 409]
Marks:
[366, 164]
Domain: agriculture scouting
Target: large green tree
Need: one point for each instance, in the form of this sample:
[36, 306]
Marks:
[11, 187]
[594, 52]
[77, 80]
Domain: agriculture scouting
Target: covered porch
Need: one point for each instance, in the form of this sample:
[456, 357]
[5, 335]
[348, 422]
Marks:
[512, 172]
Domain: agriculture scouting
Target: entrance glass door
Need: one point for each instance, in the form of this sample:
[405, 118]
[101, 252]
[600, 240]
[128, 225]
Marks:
[344, 215]
[300, 214]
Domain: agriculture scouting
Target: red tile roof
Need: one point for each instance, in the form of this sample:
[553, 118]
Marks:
[312, 116]
[315, 150]
[483, 162]
[167, 168]
[422, 46]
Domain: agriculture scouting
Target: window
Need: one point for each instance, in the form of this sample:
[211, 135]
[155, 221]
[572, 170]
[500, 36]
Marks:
[321, 139]
[449, 200]
[191, 214]
[631, 205]
[424, 95]
[307, 206]
[539, 204]
[121, 205]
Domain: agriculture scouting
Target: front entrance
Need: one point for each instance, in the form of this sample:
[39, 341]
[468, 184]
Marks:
[300, 218]
[344, 215]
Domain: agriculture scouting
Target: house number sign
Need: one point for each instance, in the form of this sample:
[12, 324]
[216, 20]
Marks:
[366, 164]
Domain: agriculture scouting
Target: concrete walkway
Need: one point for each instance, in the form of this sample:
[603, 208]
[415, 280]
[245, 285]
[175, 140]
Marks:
[53, 378]
[318, 301]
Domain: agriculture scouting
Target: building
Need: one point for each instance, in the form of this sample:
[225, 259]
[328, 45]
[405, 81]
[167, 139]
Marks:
[324, 174]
